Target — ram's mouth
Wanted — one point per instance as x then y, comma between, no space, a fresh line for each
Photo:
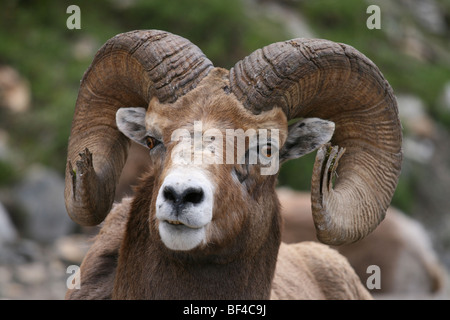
174,222
180,224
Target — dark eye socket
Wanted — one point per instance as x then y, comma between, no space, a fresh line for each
151,142
266,150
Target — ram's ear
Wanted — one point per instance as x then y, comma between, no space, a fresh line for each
131,122
306,136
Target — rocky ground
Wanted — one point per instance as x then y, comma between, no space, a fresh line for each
42,242
35,271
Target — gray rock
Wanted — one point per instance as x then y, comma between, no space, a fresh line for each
8,232
72,248
414,116
41,196
428,14
15,91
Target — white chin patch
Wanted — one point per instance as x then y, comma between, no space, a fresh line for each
184,208
180,237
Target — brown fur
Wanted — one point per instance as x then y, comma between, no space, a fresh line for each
303,271
158,272
240,255
310,270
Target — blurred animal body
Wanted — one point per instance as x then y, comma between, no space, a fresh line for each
400,247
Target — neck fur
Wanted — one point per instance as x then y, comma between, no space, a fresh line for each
148,270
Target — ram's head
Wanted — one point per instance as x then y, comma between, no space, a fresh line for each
217,137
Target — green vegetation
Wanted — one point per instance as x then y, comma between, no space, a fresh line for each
8,173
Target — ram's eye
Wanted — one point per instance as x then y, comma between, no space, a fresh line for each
151,142
266,150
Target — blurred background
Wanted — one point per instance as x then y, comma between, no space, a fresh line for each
42,63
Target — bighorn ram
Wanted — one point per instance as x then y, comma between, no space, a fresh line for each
207,229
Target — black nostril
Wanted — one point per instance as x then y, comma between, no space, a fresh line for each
170,194
190,195
193,195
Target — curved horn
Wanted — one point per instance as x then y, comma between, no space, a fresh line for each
127,71
320,78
